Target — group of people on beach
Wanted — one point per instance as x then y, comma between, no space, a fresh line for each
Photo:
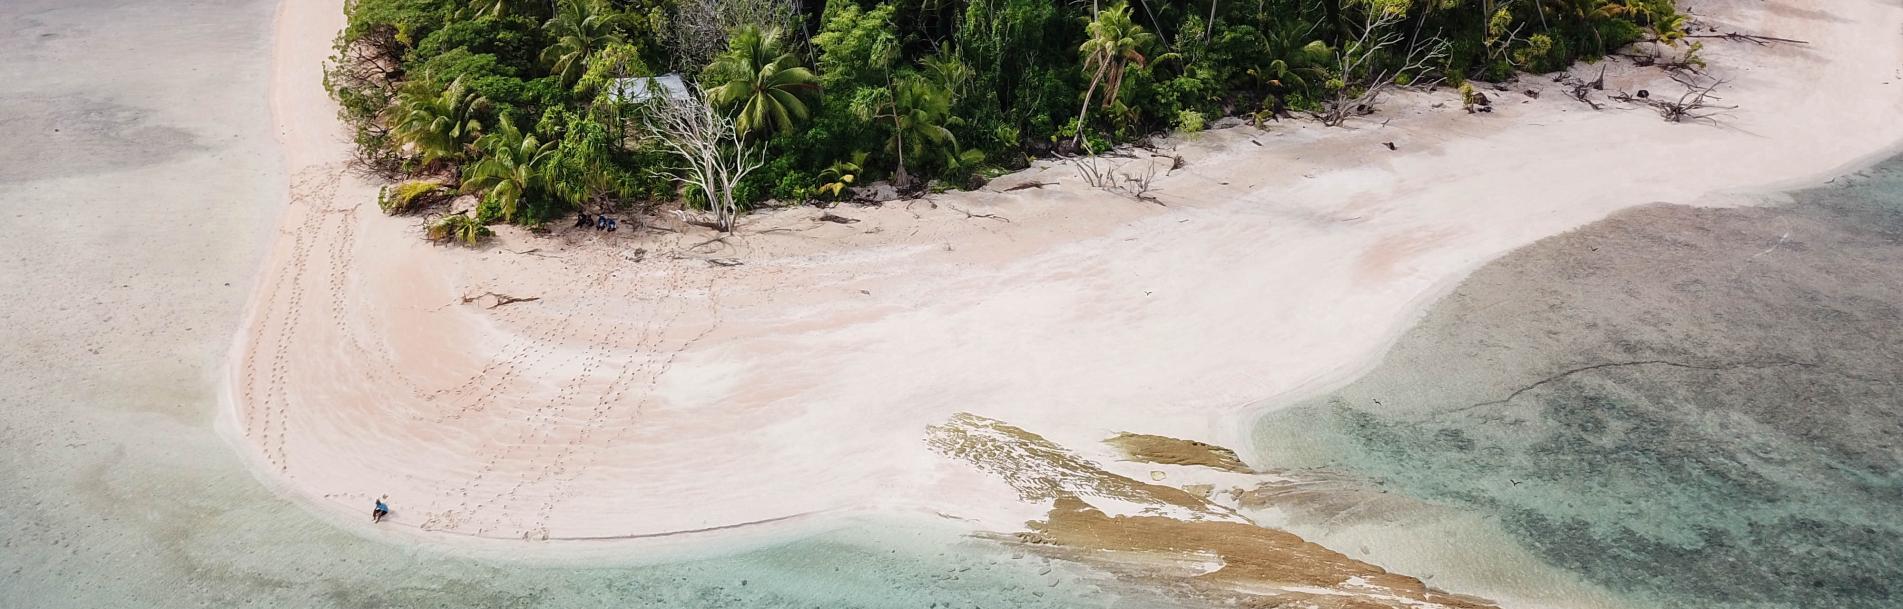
597,222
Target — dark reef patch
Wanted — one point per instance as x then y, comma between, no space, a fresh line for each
71,136
1693,407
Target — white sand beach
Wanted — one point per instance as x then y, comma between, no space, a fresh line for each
650,396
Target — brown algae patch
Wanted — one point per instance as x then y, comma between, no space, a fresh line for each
1168,539
1253,566
1173,451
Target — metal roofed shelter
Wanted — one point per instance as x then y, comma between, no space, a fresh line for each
645,88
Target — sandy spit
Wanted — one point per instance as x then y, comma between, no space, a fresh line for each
649,393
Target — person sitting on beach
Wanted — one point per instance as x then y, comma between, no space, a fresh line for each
601,222
583,220
611,224
377,513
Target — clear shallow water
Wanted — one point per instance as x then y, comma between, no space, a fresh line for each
1688,408
140,187
138,191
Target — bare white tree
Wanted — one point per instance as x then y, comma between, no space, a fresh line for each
1364,70
698,29
712,156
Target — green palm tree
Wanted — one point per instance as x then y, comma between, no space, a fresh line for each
919,109
1595,13
435,123
763,82
456,228
842,174
493,8
1292,60
1113,42
947,70
580,27
515,166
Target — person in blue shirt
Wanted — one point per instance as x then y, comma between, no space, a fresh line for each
377,513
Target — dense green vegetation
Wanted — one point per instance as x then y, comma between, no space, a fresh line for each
523,101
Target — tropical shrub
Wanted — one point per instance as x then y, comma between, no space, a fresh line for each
841,175
579,29
514,174
456,228
836,93
764,85
409,195
1189,121
513,40
434,123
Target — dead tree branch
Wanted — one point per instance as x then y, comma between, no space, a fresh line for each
1756,39
1581,89
697,30
1138,186
500,299
1027,185
1686,59
1694,105
1361,68
720,239
969,215
534,251
1113,179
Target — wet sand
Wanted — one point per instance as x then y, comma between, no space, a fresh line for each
1689,407
137,190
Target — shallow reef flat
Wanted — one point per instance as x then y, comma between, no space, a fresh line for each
1690,407
1184,542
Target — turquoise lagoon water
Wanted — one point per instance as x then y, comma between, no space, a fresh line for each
139,189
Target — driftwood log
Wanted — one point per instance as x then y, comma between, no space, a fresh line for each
969,215
500,299
1027,185
1756,39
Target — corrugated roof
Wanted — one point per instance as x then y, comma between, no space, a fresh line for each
643,88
